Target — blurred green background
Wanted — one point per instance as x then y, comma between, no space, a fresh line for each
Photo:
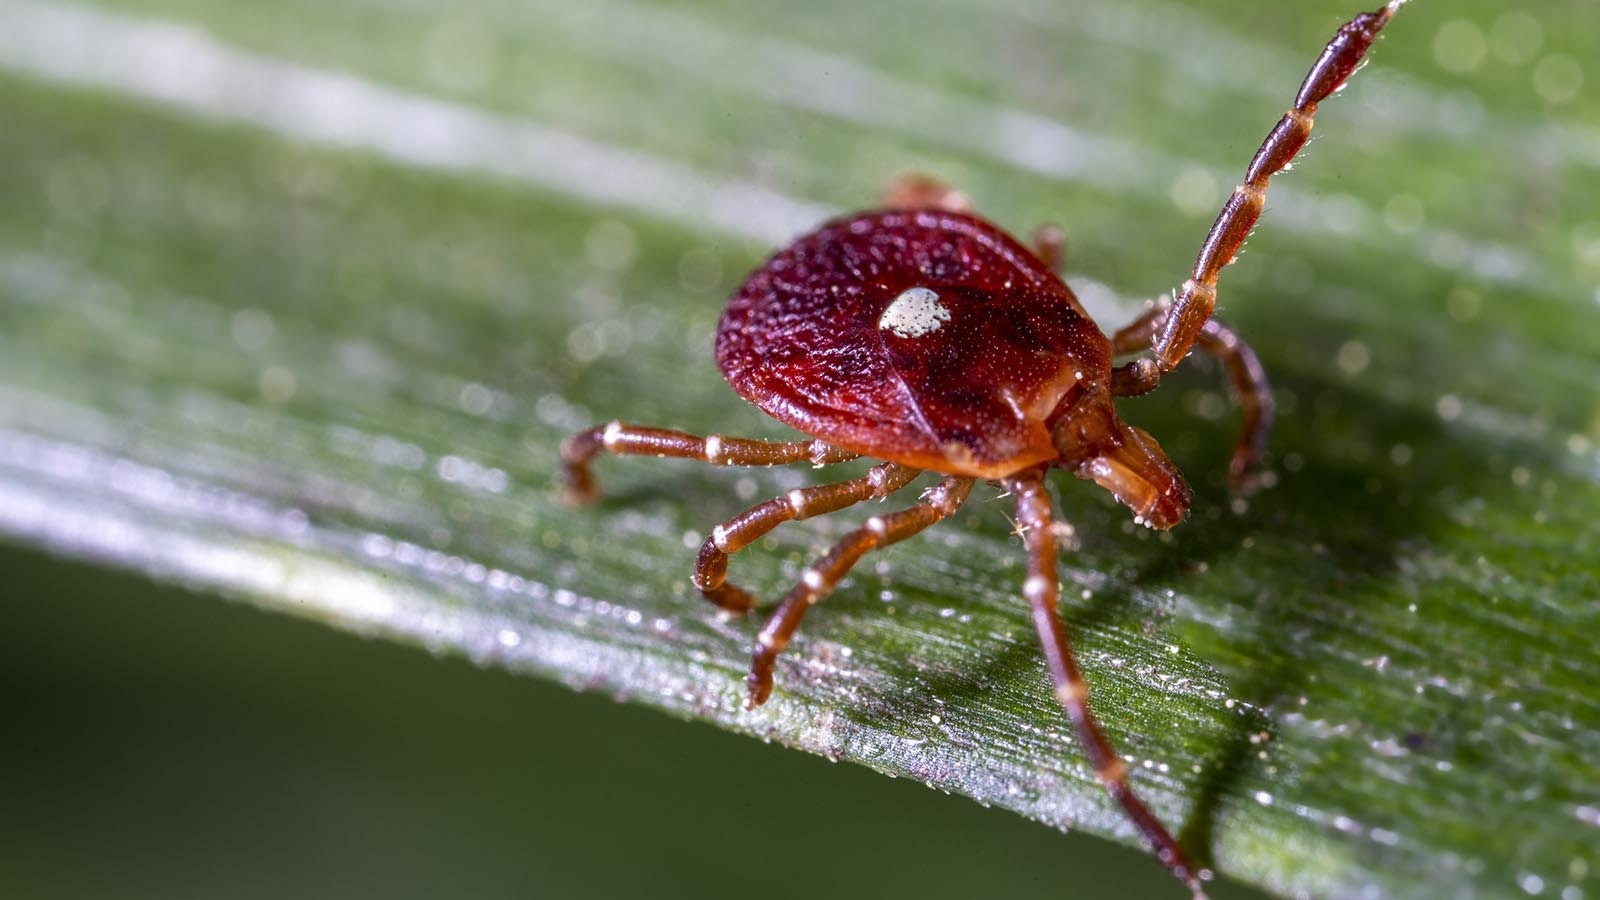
297,299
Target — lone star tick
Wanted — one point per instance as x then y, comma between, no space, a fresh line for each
924,336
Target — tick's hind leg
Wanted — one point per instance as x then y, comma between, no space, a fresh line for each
1043,592
619,437
822,576
1246,378
711,567
914,190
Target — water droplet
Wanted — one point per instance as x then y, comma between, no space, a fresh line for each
1516,37
1353,357
475,399
1195,192
277,385
252,329
611,245
1557,78
1459,46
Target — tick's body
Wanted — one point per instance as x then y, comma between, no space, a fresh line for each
947,346
924,336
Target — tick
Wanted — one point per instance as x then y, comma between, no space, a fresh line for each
923,336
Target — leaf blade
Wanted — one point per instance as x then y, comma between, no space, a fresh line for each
174,374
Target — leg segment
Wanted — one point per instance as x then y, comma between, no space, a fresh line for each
711,567
1043,592
914,190
1198,297
618,437
819,580
1050,245
1246,377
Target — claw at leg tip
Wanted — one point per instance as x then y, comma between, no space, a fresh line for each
578,493
756,694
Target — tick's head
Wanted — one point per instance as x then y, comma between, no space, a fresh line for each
1097,445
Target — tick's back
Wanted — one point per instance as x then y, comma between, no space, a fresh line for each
929,338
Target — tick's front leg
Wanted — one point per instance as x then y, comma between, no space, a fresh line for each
1181,327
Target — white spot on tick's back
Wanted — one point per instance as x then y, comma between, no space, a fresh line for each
916,312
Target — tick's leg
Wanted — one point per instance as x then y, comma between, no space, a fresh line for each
1043,592
1246,378
1050,245
619,437
914,190
1198,297
821,577
711,568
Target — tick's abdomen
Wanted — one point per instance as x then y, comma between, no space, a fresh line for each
922,337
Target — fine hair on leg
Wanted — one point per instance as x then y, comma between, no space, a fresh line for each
1178,331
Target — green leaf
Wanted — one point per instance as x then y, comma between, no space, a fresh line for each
299,299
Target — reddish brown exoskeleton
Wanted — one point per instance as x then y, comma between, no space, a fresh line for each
924,336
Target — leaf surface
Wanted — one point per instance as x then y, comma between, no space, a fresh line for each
299,301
